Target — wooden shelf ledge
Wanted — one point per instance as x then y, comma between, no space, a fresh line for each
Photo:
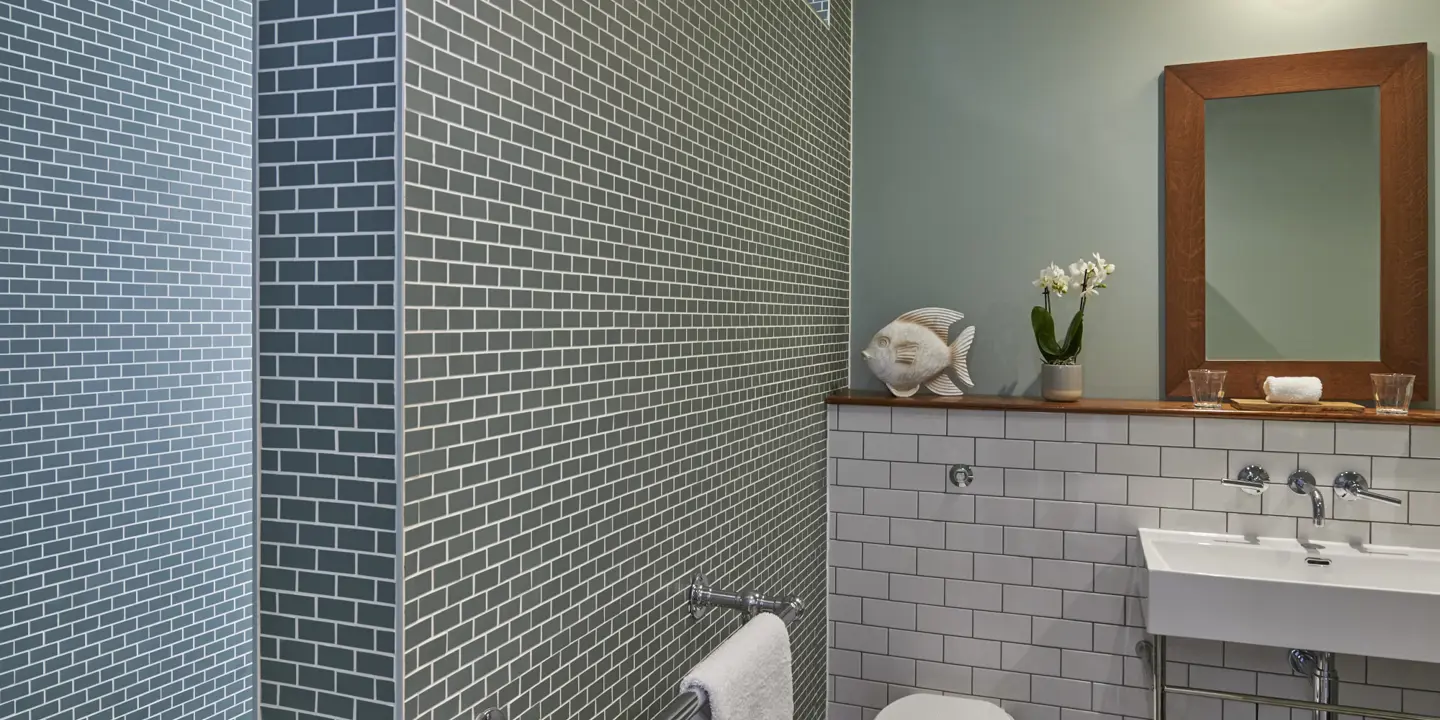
1116,407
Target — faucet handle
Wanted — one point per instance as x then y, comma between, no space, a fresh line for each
1351,484
1251,479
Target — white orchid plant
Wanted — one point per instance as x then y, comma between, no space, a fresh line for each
1086,276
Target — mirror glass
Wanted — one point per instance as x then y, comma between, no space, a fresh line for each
1292,226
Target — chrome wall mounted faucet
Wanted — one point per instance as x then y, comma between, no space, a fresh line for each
1301,482
1350,485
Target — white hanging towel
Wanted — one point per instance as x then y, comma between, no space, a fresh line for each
748,676
1293,389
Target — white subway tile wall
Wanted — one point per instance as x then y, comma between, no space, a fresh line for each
1026,587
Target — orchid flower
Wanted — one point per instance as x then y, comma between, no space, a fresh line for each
1053,279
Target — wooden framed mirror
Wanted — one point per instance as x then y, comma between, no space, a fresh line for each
1323,271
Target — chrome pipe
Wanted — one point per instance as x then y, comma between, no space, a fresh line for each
1324,678
1327,685
1300,704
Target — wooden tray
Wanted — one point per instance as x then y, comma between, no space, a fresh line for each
1320,407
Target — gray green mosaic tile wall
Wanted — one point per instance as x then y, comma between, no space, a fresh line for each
126,523
626,272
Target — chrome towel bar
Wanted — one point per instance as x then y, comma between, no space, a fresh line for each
700,597
686,705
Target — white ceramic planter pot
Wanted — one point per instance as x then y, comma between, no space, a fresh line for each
1062,383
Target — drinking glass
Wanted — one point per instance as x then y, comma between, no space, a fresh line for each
1207,388
1392,392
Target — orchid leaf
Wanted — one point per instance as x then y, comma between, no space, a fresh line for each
1071,350
1044,326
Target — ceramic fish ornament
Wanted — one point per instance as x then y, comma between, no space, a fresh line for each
911,351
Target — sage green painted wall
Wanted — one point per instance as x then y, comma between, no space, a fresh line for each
1292,226
994,136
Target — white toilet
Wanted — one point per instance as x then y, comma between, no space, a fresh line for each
939,707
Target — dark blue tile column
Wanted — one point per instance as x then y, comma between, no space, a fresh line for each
327,332
126,504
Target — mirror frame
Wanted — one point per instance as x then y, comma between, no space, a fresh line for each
1402,74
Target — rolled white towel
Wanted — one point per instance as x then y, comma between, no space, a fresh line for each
1293,390
748,676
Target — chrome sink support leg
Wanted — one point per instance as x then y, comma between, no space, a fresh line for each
1325,678
1316,665
1157,673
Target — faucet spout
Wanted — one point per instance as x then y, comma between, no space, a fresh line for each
1301,482
1317,507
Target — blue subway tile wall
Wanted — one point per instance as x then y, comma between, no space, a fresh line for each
126,504
327,324
626,269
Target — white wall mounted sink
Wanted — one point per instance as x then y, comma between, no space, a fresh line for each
1371,600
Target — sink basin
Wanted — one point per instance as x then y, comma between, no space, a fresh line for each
1371,600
